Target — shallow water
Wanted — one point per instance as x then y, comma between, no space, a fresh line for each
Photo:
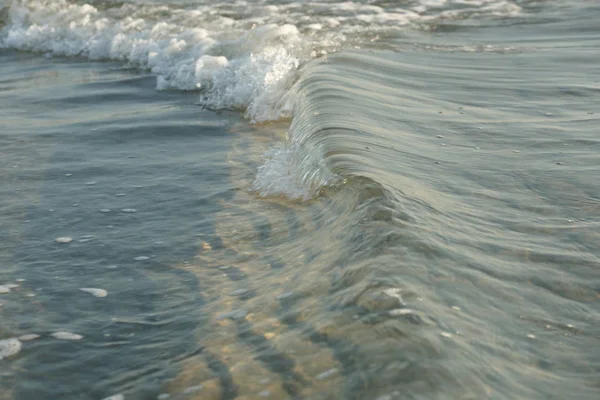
377,200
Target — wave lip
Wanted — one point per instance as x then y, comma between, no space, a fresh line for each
345,125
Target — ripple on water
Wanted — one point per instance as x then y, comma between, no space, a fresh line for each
239,292
192,389
327,374
85,238
235,314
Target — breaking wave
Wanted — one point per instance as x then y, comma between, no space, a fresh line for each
243,55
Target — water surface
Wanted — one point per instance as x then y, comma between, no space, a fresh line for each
359,200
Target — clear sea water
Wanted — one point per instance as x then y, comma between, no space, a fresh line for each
299,200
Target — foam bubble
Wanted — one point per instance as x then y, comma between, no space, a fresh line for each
9,347
399,312
4,289
115,397
96,292
66,336
28,337
273,176
292,171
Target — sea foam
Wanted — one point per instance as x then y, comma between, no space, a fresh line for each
233,67
239,55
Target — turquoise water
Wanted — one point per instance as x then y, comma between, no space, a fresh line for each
377,200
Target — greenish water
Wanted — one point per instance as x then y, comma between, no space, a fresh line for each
384,200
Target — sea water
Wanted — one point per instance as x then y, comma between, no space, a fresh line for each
303,200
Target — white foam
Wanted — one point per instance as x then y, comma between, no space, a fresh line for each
66,336
6,288
9,347
28,337
96,292
241,55
291,171
248,71
115,397
274,176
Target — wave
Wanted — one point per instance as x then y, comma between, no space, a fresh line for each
348,122
240,55
258,57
